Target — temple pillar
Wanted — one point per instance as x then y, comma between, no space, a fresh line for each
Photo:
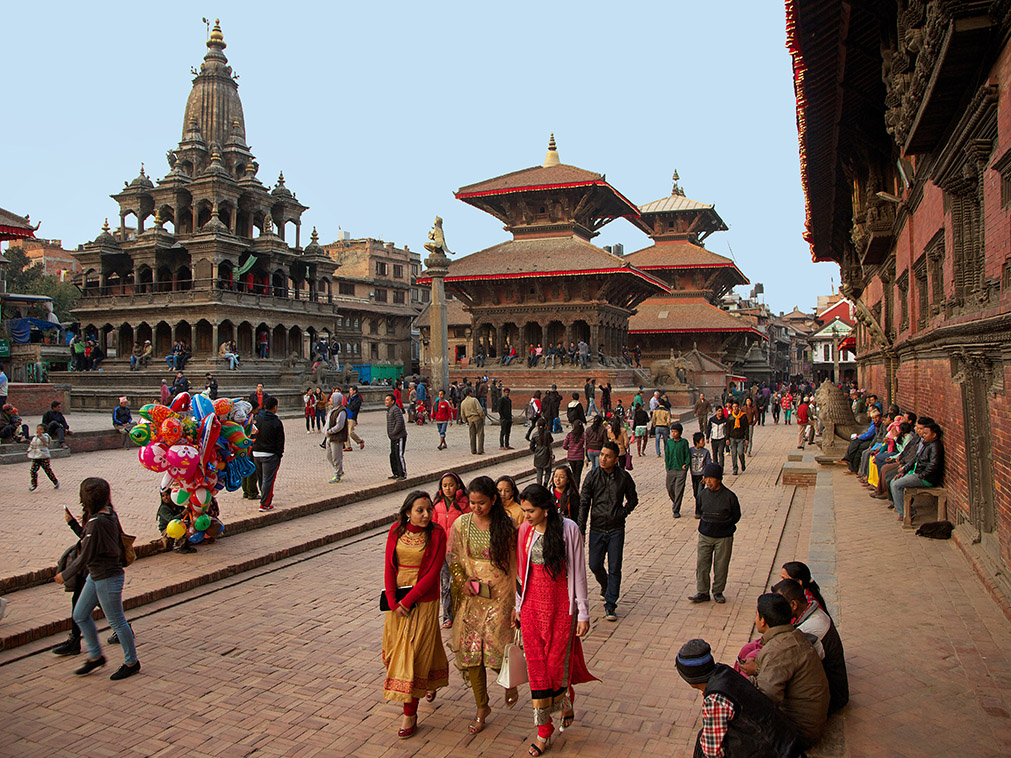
594,339
500,339
298,235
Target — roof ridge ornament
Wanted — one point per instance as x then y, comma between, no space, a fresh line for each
217,39
676,190
551,158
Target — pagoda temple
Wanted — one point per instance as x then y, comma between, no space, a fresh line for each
208,257
687,316
549,283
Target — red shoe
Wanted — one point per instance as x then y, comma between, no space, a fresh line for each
361,445
409,731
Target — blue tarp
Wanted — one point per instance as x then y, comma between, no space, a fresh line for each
21,328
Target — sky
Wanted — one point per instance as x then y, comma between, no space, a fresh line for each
378,112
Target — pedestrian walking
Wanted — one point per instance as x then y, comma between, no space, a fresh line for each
442,413
354,404
716,433
574,411
804,422
450,503
606,499
533,413
38,454
720,511
472,412
702,410
565,490
396,430
661,427
616,433
590,389
505,419
540,446
309,401
482,569
574,445
786,403
751,411
551,612
335,434
413,653
268,449
102,557
510,495
319,409
676,460
700,458
596,436
737,435
640,424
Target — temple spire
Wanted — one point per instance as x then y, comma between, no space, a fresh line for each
217,39
552,159
676,190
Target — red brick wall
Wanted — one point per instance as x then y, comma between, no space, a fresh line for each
36,399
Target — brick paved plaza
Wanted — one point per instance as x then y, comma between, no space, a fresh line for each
283,658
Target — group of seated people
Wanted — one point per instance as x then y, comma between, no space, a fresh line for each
776,698
229,352
180,353
87,354
896,451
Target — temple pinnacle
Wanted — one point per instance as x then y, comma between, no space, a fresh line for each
552,159
217,39
676,189
314,237
105,226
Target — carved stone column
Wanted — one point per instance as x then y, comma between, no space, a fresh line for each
438,267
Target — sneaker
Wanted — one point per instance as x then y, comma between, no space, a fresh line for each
718,597
335,478
125,671
677,514
610,616
266,508
70,647
700,597
401,478
113,639
32,487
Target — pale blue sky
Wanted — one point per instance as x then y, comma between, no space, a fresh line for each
377,112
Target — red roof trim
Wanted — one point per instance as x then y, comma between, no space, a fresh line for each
692,331
536,187
799,72
16,232
537,274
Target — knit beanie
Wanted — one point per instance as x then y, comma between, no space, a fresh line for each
714,470
695,662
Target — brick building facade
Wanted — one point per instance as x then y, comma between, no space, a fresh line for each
905,140
50,253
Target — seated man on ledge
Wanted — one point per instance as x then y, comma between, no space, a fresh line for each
122,421
737,719
927,469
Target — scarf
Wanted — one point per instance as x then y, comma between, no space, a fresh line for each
737,418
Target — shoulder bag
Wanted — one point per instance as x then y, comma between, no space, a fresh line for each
514,665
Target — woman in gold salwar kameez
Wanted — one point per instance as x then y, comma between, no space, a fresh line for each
482,567
510,493
413,652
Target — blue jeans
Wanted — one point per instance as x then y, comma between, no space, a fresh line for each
662,433
899,484
170,361
591,408
583,360
594,456
109,594
612,545
508,359
442,428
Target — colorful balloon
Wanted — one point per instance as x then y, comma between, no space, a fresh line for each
202,523
142,434
183,461
171,430
153,457
180,402
222,407
201,407
175,529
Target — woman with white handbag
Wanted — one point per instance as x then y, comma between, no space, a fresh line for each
551,610
482,570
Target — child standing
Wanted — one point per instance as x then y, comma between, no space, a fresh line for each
676,461
38,452
700,458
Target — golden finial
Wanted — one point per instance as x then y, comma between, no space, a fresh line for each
105,226
217,39
142,170
314,237
676,189
280,178
552,159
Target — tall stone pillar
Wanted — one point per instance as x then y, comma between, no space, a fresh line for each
438,267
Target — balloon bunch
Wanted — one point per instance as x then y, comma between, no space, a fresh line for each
200,446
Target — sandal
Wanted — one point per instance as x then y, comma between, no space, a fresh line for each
409,731
477,725
568,718
447,624
430,696
539,747
512,695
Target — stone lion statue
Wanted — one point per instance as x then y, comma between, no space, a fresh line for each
292,361
670,370
835,416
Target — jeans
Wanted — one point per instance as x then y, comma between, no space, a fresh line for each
504,429
751,439
508,359
441,426
676,488
233,360
109,594
612,545
266,475
594,456
583,360
479,361
713,552
170,361
263,349
543,475
737,448
591,408
661,433
719,448
898,486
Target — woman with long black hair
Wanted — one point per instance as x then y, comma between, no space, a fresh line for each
413,654
801,574
551,610
102,557
482,569
510,494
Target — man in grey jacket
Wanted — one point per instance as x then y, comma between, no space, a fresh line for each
396,430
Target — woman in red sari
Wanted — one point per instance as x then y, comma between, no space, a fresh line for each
413,653
551,610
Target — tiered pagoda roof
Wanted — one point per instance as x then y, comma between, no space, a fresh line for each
15,227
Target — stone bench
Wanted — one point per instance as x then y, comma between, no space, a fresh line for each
799,473
909,493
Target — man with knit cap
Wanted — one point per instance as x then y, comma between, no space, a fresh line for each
719,511
737,719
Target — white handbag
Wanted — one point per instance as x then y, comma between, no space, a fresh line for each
514,665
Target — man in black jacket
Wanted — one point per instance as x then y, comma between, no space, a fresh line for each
181,384
56,423
927,469
505,419
720,511
737,718
268,448
549,409
396,430
607,497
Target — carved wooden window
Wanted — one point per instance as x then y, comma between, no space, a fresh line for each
888,324
922,293
903,285
967,239
935,267
346,288
876,312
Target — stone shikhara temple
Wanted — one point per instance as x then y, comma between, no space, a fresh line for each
215,254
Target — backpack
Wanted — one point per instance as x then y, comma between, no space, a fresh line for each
531,412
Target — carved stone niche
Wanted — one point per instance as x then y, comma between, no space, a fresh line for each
968,365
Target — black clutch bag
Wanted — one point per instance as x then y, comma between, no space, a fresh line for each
384,604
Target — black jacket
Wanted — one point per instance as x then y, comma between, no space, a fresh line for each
735,432
550,404
395,427
269,434
101,550
606,499
50,416
758,728
929,463
721,510
575,412
505,410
